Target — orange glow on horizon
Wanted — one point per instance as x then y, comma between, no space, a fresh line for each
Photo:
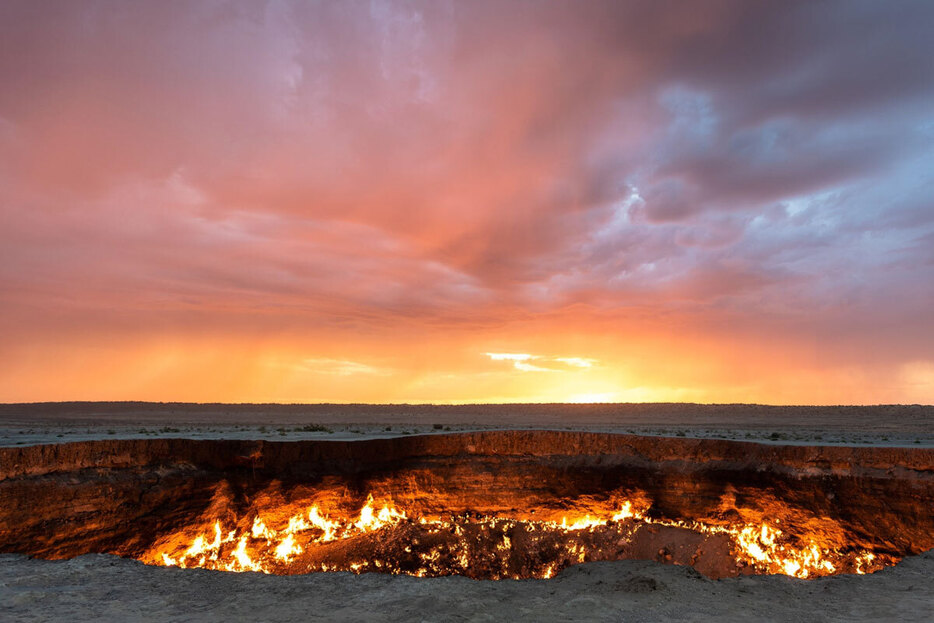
452,367
506,202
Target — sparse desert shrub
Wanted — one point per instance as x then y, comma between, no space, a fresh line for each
314,428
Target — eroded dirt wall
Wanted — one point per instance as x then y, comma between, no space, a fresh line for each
119,495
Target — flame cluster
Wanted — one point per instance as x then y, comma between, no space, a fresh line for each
253,550
380,537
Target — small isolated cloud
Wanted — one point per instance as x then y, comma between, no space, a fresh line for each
509,356
520,361
528,367
341,367
577,362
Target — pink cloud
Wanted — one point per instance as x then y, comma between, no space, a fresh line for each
401,165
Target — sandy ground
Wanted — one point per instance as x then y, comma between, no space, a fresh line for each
107,588
894,425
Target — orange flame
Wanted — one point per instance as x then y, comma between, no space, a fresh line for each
296,544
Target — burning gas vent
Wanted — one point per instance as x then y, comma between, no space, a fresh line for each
485,505
286,538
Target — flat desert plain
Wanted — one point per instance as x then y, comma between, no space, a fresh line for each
102,587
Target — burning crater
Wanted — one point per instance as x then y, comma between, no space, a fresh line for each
504,504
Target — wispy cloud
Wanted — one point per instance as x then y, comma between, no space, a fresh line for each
342,367
520,361
577,362
509,356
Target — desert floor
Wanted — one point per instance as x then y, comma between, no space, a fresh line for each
108,588
890,425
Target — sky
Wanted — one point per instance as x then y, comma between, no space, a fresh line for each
710,201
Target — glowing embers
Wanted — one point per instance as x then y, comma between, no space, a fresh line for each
537,543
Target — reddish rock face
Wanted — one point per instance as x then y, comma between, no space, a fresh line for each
489,505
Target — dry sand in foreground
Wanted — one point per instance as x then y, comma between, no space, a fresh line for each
107,588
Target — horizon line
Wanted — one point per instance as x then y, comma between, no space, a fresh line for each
449,404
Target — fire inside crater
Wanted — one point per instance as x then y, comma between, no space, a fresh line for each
288,538
492,505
